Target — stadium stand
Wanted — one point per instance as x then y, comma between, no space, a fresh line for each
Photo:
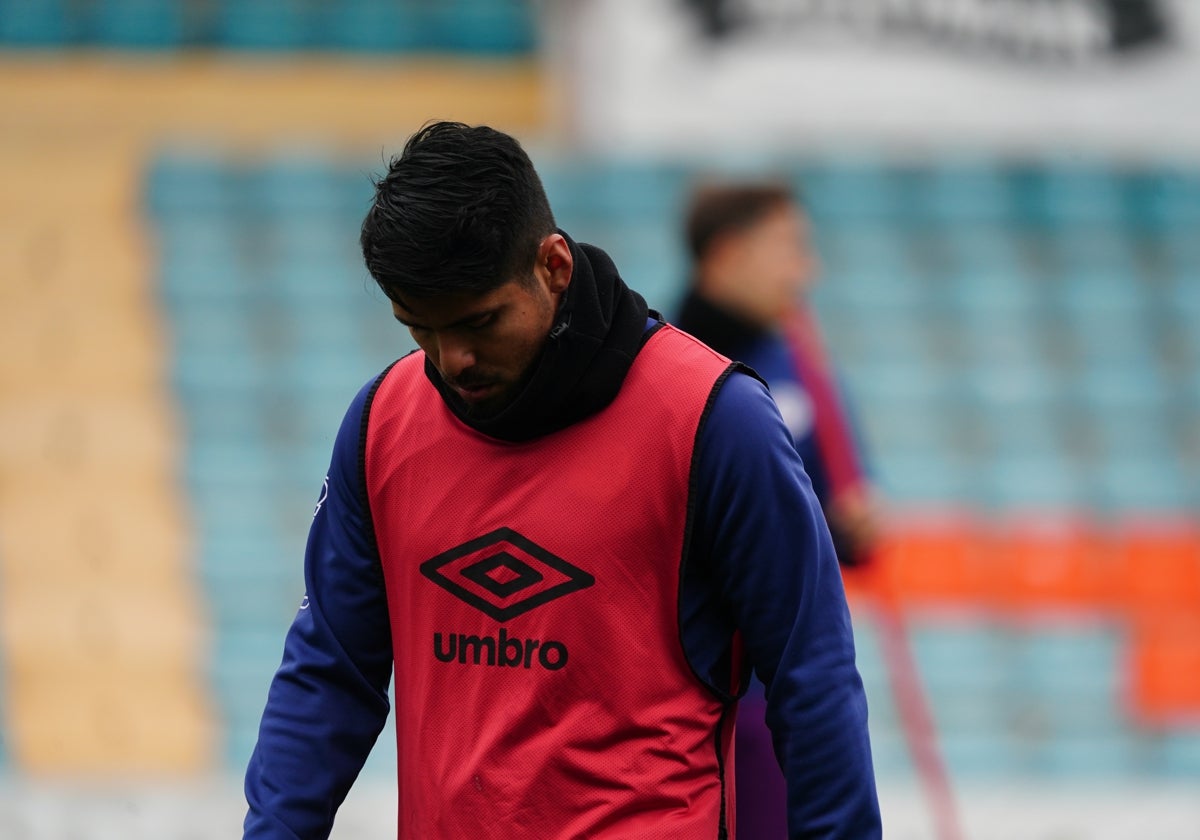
1021,339
1027,607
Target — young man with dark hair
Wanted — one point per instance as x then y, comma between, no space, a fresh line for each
569,529
752,265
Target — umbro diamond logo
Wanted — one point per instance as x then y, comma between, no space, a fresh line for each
504,574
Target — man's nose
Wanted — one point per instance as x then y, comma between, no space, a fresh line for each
454,355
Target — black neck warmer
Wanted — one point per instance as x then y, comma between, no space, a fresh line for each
719,328
597,331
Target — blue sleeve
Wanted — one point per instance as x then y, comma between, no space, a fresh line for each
328,700
762,545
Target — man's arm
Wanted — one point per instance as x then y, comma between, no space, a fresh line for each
760,534
328,700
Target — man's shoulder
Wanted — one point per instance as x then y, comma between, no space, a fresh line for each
674,362
682,347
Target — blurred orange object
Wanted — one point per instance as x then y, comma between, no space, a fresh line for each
1158,564
929,560
1145,570
1164,669
1060,563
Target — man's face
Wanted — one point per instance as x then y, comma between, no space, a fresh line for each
777,263
485,346
761,271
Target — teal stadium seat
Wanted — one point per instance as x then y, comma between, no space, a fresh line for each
1182,297
1121,389
1075,658
1148,483
230,463
1000,345
320,275
267,24
138,24
853,189
38,24
1022,428
867,266
1179,753
895,382
1113,343
300,184
1102,255
1101,756
263,601
372,26
1066,699
191,186
208,419
963,191
481,26
1081,191
206,324
197,266
217,375
984,250
243,662
916,478
1031,482
1166,198
988,292
614,192
963,673
889,750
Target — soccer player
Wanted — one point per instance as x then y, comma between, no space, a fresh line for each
752,266
569,530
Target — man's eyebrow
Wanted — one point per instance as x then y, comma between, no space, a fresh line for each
466,319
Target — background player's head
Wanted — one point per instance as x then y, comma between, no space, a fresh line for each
750,249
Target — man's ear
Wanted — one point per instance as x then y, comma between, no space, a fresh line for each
555,264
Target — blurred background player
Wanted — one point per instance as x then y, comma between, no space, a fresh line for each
752,266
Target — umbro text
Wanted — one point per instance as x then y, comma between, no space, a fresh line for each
504,651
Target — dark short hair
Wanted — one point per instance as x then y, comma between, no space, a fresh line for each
460,210
716,209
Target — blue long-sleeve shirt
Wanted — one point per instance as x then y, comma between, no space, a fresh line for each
761,561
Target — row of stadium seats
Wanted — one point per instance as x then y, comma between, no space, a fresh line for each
1070,192
384,26
990,369
1073,201
1021,700
980,372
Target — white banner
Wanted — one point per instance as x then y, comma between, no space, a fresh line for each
750,77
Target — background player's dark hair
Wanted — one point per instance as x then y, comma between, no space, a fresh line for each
716,209
460,210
